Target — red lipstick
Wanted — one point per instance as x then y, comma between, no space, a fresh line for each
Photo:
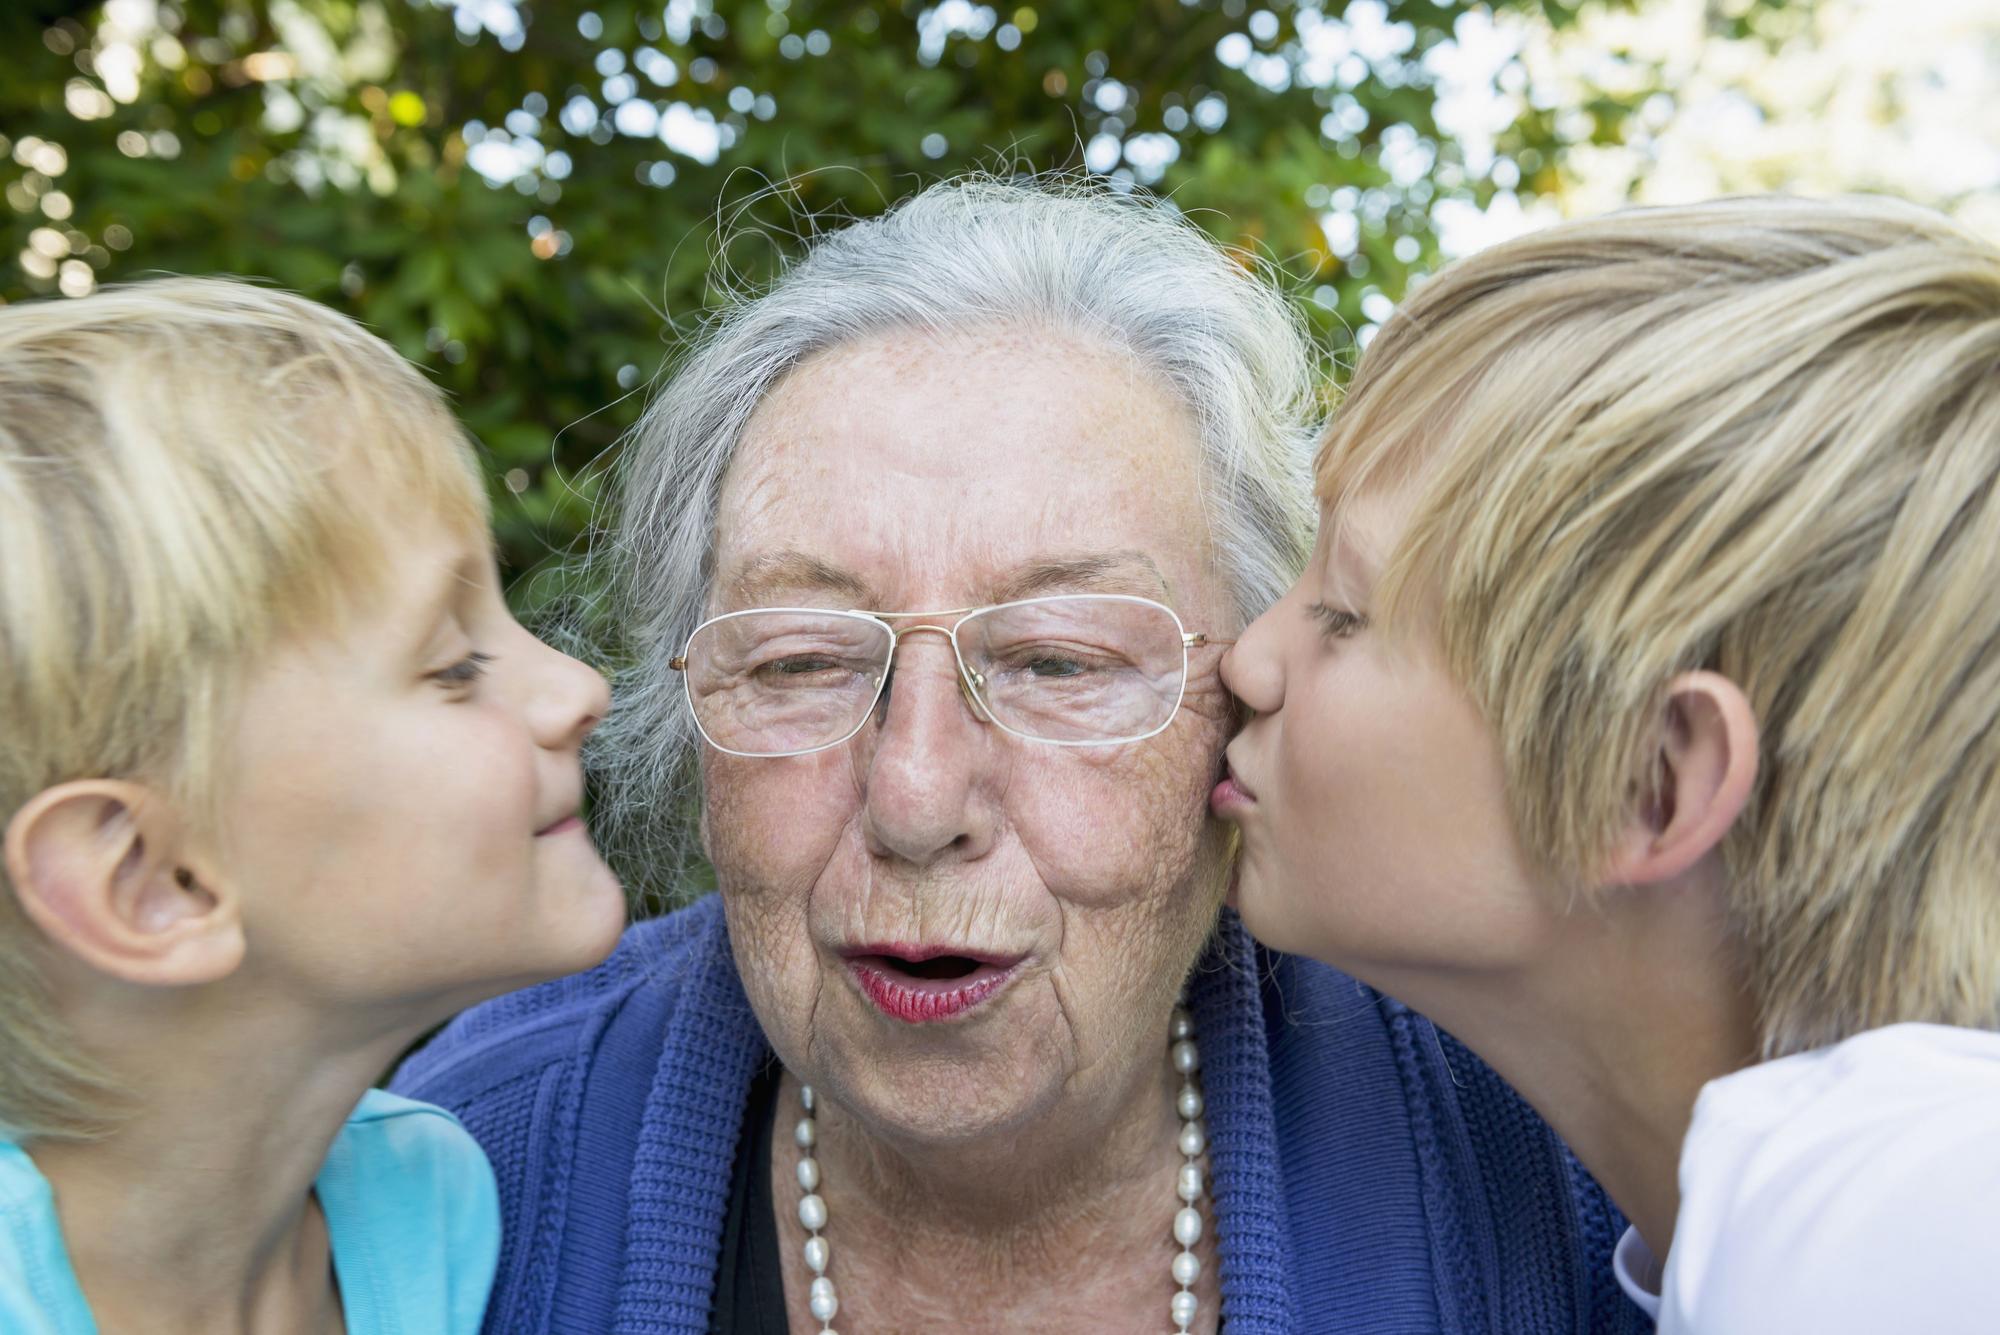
926,984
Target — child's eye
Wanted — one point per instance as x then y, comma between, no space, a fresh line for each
1336,623
464,672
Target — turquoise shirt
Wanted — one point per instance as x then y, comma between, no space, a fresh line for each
411,1209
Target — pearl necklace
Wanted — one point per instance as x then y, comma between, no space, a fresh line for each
825,1302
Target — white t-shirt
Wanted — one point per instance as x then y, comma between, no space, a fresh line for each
1854,1190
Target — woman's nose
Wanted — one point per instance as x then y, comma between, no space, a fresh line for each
1253,669
928,789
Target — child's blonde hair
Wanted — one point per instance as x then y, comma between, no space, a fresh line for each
1760,436
191,470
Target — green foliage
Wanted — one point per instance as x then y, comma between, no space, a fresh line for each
336,147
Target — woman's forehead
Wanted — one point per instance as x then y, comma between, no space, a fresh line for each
981,472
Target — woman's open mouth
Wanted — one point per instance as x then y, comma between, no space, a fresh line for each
920,985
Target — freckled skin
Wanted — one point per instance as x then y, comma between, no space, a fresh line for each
932,468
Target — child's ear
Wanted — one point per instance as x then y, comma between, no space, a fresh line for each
1701,772
97,865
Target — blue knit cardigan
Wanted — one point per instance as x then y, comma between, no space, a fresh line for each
1367,1173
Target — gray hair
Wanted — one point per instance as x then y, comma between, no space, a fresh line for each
1061,253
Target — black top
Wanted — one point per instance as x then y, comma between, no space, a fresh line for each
749,1286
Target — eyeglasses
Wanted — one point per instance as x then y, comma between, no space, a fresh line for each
1072,670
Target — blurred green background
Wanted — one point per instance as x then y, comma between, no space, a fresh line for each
525,197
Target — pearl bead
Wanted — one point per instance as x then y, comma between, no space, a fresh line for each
1187,1226
806,1097
1187,1268
823,1301
1183,1308
808,1174
812,1213
817,1255
1194,1139
1190,1105
1182,1026
1187,1057
1189,1187
808,1135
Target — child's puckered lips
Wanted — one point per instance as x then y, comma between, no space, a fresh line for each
1231,793
570,819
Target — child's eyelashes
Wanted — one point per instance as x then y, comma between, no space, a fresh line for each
1336,623
464,672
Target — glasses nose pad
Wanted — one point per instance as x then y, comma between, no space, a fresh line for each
970,684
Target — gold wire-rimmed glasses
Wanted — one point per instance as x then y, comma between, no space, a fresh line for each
1094,669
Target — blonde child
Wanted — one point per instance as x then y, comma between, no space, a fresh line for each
1638,719
283,786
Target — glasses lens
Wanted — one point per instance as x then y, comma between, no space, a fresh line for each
769,683
1091,668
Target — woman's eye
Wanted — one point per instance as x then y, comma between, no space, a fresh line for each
1044,662
464,672
804,671
799,665
1048,665
1337,623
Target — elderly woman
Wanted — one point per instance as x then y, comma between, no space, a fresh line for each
926,555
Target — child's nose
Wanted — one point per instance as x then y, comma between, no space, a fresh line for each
572,699
1253,669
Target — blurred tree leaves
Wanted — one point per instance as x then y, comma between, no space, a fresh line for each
525,196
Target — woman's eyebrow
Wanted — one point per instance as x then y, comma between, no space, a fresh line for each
771,572
1122,571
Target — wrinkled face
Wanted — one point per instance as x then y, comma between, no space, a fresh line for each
401,815
947,927
1369,790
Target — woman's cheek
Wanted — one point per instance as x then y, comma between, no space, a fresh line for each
774,822
771,834
1109,835
1083,836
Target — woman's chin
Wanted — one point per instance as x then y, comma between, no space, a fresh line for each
941,1084
925,1105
